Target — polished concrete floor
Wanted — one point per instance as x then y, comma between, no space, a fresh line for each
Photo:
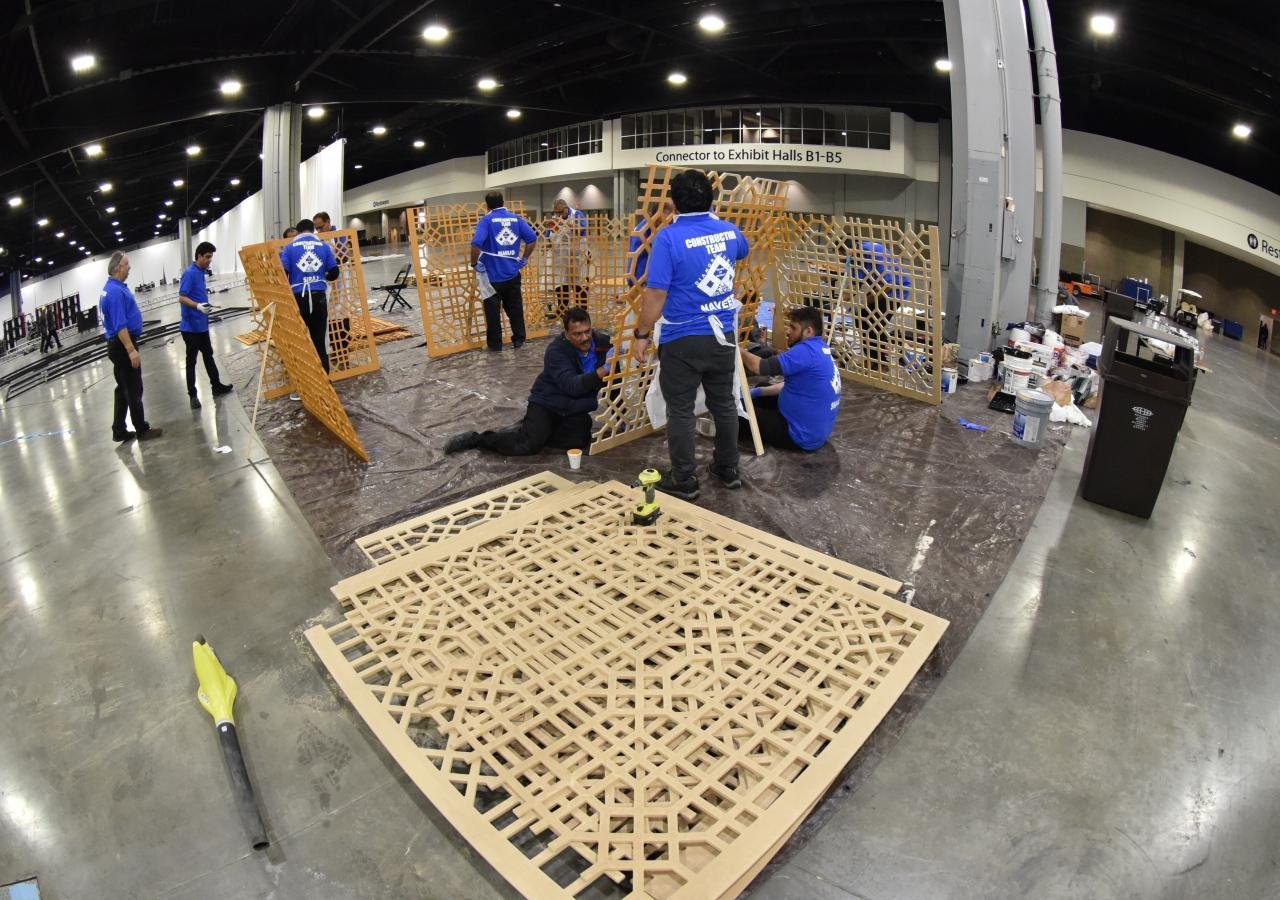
1108,731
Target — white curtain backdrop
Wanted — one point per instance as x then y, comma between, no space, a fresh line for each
237,228
320,180
146,264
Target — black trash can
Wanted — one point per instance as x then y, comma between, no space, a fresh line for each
1142,399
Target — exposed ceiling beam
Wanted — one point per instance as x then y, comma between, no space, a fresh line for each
398,22
341,41
255,127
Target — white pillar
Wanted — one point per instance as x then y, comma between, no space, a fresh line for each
1051,136
281,157
1179,270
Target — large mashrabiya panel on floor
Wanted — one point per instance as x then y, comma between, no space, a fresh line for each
587,699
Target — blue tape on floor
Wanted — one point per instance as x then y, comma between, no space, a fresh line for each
25,891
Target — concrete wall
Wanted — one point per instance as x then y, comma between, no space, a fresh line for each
1119,247
452,181
1232,289
150,262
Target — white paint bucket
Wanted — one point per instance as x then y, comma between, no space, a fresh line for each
1017,335
1031,418
950,379
1017,373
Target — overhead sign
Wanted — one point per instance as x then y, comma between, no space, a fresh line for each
772,156
1263,246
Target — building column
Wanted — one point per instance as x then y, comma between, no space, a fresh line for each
993,182
1179,270
281,157
15,294
184,240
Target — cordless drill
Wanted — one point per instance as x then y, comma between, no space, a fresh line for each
647,513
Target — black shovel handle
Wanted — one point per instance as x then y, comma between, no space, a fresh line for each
241,787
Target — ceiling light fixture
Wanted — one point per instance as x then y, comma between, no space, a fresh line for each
943,65
93,150
72,242
177,182
82,63
110,210
235,181
486,84
193,150
105,187
119,232
435,32
379,129
359,166
114,224
168,203
711,22
39,259
61,234
677,78
1242,131
43,222
231,87
202,211
216,199
49,263
1104,25
419,144
315,112
15,201
513,114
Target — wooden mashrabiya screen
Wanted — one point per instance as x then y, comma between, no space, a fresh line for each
878,286
580,262
352,348
587,699
452,315
757,207
292,350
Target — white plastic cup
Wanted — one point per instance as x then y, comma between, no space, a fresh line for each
575,459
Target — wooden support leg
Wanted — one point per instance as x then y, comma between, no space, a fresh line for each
751,408
262,374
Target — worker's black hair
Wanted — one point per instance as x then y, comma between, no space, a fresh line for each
807,317
306,226
493,200
691,192
289,229
575,314
205,247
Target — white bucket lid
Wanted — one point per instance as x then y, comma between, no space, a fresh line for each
1033,396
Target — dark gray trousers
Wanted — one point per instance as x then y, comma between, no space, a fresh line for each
688,362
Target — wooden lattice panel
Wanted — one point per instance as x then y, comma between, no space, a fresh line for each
878,287
390,544
580,262
448,296
757,207
352,349
294,352
586,699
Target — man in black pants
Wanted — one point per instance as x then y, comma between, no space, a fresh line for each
495,255
122,321
310,264
563,396
800,413
49,323
194,298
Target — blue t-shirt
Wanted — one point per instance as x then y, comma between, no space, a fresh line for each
692,260
810,395
638,237
192,287
119,309
498,235
306,258
887,266
588,361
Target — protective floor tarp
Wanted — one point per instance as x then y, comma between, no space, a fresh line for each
900,488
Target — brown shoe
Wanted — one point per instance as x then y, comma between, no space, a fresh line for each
150,434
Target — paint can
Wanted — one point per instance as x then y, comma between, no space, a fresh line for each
950,379
1031,418
1017,373
1018,335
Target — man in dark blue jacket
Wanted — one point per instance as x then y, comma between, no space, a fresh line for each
563,396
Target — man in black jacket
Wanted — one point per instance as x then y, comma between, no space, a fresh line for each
563,396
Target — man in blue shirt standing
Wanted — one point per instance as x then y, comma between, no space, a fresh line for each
194,297
495,250
122,321
800,413
690,286
310,264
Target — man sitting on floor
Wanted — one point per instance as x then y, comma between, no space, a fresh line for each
563,396
800,413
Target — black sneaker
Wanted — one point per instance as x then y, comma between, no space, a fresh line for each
728,474
195,403
121,438
223,389
467,440
683,490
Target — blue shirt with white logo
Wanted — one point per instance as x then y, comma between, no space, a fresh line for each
306,258
119,309
692,260
810,395
192,287
498,235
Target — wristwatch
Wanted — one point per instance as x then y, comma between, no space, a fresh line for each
641,337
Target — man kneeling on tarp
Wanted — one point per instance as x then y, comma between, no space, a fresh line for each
563,396
800,413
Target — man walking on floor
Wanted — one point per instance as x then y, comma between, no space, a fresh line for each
800,413
194,326
49,328
690,286
122,321
310,264
495,251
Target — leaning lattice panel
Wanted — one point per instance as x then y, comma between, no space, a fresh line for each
585,699
390,544
452,314
878,286
292,343
580,262
352,349
757,206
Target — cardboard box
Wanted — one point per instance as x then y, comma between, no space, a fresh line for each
1072,330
